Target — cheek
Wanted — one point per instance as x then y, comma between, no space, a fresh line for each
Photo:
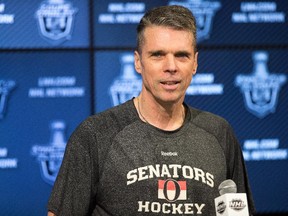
148,74
188,81
147,79
189,77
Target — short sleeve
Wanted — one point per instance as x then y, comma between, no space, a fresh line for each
73,192
237,169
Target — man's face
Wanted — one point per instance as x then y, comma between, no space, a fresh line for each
167,63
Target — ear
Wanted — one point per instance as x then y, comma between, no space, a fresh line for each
137,62
195,65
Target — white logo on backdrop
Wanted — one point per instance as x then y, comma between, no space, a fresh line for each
260,89
55,20
128,84
50,156
6,86
204,12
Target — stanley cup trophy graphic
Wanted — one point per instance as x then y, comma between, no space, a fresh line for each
55,20
50,156
5,88
128,84
260,89
204,11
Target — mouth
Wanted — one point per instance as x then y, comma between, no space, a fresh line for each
170,83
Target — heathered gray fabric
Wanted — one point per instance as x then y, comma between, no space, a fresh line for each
114,164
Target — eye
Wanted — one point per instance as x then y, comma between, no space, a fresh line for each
157,54
182,55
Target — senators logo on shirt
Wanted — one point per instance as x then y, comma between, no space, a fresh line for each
172,190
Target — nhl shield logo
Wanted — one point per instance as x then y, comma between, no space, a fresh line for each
204,11
55,20
50,156
260,89
6,86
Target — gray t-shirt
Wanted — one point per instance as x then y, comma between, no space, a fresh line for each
115,164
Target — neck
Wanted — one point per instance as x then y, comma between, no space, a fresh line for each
165,119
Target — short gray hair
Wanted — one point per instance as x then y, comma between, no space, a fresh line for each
172,16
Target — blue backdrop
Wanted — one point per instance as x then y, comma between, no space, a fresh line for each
61,61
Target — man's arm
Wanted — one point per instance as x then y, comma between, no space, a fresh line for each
73,191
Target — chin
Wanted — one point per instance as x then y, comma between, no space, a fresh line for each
171,99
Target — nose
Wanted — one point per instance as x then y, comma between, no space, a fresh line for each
170,64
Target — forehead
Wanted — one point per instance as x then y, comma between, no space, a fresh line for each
166,37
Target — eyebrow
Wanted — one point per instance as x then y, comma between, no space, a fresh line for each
176,53
156,52
183,53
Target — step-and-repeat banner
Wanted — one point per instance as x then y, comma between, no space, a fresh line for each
63,60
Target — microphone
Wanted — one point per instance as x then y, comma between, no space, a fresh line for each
230,203
227,186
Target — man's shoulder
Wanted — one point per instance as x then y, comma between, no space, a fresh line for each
119,115
208,121
200,115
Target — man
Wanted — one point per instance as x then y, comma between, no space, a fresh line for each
152,155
